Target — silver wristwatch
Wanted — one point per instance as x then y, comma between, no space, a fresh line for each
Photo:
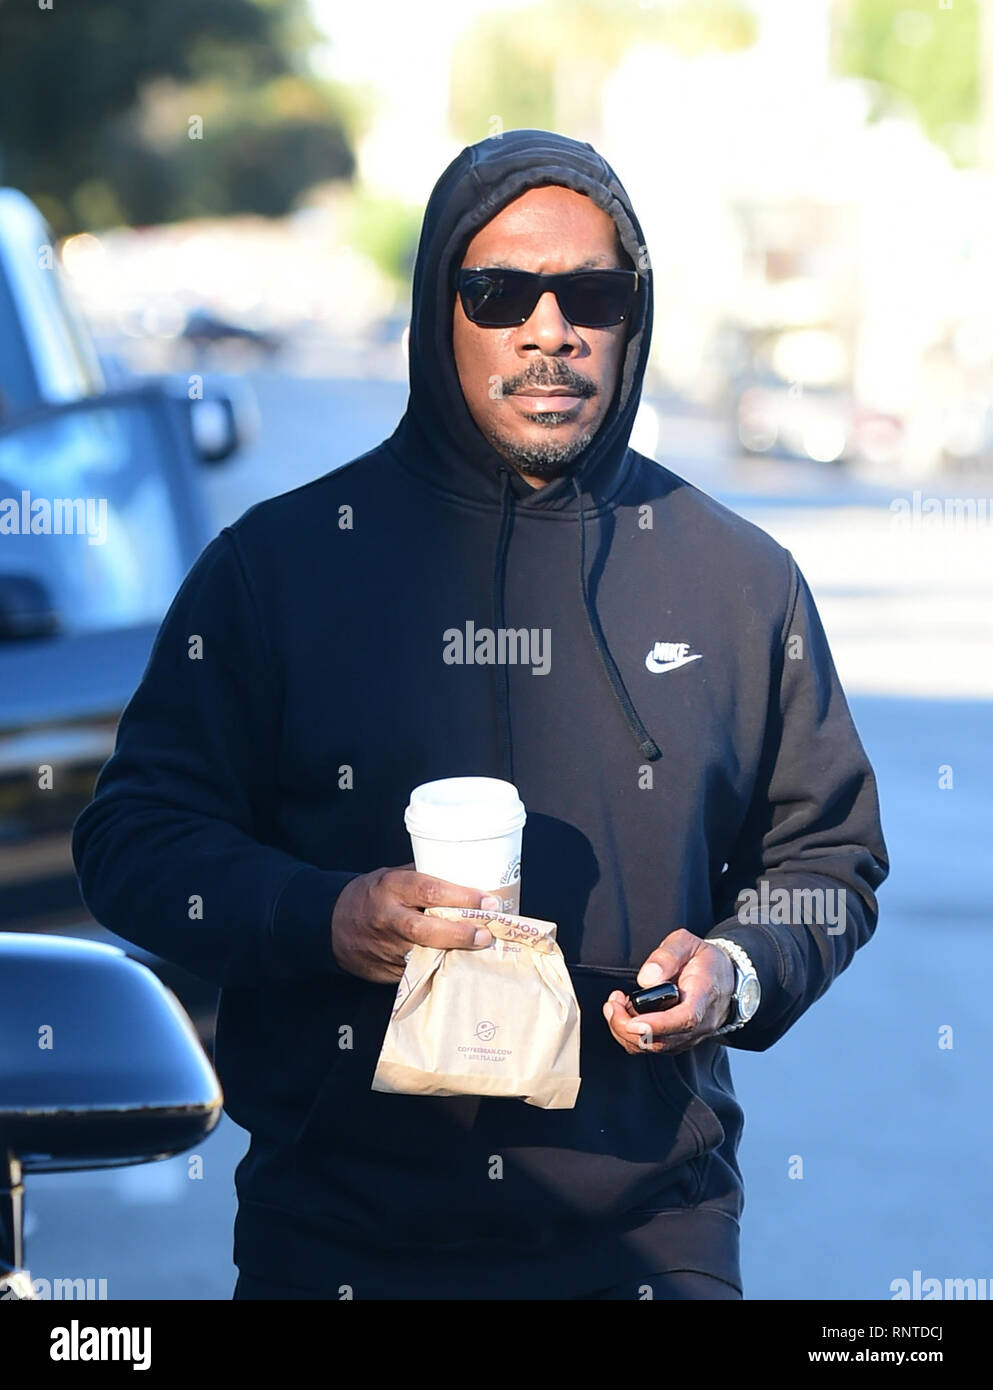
747,990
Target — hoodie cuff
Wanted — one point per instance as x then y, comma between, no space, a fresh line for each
301,924
765,952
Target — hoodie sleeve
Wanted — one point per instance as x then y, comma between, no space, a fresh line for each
168,852
813,825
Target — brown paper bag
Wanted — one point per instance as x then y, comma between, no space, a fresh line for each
503,1021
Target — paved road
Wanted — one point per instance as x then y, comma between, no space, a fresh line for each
892,1130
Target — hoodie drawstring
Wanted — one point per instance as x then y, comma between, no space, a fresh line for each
502,674
646,744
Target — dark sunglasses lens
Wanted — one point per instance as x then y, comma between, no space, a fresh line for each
597,300
498,300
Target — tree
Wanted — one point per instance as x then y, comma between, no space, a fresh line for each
543,66
921,57
80,86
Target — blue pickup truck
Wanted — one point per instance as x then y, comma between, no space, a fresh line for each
102,513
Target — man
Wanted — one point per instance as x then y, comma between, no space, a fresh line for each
676,729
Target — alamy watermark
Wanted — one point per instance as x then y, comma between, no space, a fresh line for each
84,1343
55,516
788,907
57,1289
920,513
919,1287
502,646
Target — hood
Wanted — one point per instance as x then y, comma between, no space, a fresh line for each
482,180
437,438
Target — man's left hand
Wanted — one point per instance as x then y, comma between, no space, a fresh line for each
705,978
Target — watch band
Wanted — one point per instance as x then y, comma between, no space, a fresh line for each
742,967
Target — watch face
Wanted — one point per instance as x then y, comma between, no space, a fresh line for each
748,1000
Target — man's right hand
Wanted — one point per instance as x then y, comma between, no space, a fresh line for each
376,921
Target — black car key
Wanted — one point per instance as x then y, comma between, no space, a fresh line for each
656,999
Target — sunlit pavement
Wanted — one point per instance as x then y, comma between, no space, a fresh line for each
151,1231
865,1141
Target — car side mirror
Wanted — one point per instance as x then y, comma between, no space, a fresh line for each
224,422
99,1067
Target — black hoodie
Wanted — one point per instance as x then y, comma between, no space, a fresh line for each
682,739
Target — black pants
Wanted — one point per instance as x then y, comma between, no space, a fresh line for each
678,1284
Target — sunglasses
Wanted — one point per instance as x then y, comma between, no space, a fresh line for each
497,298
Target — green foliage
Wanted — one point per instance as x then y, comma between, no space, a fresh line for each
263,167
539,65
921,56
496,73
387,231
84,131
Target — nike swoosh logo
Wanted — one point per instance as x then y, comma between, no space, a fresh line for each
657,666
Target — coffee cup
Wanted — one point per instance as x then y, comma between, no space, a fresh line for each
468,830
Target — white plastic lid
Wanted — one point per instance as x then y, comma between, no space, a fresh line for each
464,808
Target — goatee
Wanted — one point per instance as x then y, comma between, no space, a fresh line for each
544,458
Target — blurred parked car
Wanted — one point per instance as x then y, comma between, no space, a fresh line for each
102,513
820,423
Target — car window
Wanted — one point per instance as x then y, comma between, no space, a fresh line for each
79,368
47,351
87,507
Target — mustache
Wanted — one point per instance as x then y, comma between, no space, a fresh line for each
570,381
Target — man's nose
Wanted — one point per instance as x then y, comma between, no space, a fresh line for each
548,328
